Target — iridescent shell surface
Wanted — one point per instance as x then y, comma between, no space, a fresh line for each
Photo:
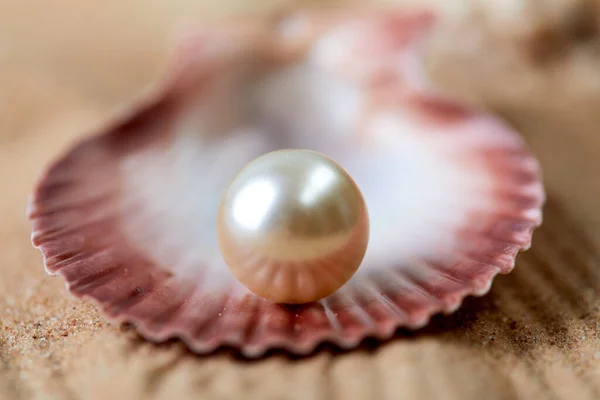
128,216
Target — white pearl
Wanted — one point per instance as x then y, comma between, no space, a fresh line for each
293,226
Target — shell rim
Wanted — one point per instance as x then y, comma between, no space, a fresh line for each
258,350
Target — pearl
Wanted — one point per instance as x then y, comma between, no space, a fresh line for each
293,226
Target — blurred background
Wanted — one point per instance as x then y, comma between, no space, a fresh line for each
65,66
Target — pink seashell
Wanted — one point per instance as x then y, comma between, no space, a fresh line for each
127,217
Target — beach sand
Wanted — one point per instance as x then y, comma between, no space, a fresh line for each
65,67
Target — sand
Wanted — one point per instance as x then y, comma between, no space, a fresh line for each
65,67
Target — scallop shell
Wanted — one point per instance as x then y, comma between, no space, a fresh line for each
127,216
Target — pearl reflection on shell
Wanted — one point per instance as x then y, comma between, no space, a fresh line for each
293,226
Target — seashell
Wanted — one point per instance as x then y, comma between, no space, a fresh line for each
128,216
